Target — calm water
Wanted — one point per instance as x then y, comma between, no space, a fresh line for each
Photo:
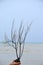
33,55
6,59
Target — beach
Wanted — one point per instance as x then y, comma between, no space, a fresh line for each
33,54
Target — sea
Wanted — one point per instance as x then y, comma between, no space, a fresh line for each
32,55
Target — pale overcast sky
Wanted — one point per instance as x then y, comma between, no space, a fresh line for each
26,10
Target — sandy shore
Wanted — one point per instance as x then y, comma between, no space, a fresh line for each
33,54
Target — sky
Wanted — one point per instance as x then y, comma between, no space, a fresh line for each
22,10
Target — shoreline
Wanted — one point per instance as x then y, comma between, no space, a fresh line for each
27,48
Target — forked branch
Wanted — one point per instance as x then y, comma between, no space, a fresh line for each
20,39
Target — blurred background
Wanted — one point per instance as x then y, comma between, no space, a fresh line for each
25,10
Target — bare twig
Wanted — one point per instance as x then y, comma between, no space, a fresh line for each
18,40
28,28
